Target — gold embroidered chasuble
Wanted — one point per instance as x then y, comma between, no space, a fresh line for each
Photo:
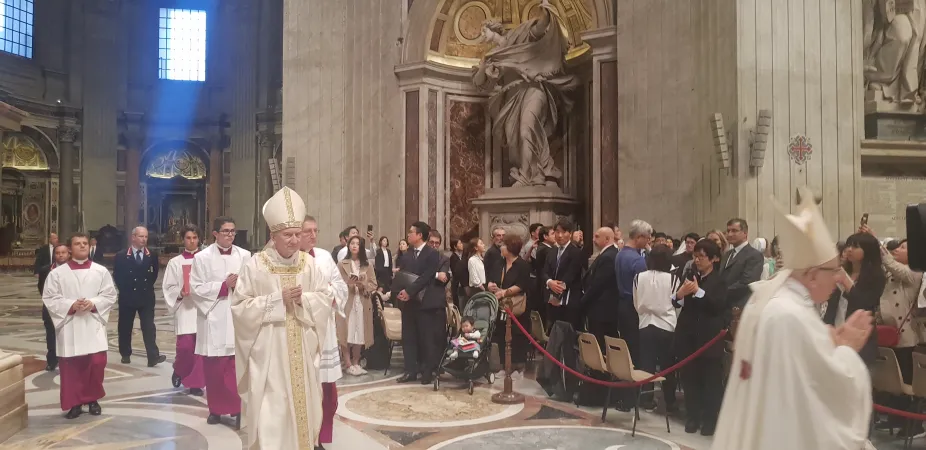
277,352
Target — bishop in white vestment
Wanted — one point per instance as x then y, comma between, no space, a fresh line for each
79,296
213,279
188,366
329,369
796,384
281,309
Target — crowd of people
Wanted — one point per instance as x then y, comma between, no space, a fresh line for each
666,298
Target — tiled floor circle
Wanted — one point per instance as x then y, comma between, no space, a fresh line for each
558,438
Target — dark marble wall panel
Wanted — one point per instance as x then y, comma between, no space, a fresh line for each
411,157
432,158
609,173
466,128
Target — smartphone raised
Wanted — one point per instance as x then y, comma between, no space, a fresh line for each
864,220
369,228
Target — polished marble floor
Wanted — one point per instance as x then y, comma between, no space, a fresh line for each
142,409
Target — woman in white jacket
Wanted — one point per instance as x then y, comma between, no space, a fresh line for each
652,297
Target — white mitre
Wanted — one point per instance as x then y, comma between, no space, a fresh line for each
284,210
803,238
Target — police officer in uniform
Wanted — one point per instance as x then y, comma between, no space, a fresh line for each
134,272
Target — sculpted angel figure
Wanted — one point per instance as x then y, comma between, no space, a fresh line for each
528,63
893,39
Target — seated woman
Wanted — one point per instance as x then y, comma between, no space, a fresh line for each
356,330
512,280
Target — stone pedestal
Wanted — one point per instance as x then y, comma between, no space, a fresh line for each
517,208
13,408
893,121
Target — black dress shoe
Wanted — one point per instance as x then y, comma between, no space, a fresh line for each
197,392
50,367
237,421
74,413
95,409
692,426
707,429
213,419
126,360
427,379
319,447
175,380
407,378
160,359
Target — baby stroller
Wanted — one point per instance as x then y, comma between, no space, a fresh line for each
483,308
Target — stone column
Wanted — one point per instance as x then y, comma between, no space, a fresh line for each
216,184
603,115
267,142
66,207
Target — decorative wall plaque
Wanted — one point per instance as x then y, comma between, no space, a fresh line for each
800,149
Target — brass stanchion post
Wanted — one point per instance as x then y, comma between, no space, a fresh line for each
508,396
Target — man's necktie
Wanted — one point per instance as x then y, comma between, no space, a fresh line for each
730,257
138,256
416,253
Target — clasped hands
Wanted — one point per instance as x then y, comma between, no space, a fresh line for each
499,292
292,297
81,305
854,332
557,286
231,280
688,287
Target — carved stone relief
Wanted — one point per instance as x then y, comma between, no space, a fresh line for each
512,223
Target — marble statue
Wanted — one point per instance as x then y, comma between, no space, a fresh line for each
528,65
893,37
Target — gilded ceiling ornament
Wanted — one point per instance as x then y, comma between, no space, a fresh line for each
21,152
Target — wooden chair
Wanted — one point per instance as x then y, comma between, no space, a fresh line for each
392,328
621,366
886,377
591,356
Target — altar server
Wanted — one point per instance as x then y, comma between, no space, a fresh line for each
796,383
281,310
188,366
329,370
79,296
213,279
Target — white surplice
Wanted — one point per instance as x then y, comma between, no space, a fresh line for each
184,311
790,386
82,333
278,353
329,369
215,333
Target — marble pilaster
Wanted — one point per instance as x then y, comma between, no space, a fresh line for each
603,126
134,133
266,144
66,207
215,187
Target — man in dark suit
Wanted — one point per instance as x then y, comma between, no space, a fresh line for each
493,260
458,270
599,303
95,254
562,276
62,255
45,254
134,273
424,317
740,265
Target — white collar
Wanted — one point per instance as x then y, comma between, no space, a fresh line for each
737,249
420,248
136,250
799,289
78,261
224,249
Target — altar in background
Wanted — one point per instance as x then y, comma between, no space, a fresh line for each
174,195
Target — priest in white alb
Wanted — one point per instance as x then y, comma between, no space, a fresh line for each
188,366
79,296
281,309
213,279
795,383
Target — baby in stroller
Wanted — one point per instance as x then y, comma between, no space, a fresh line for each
468,340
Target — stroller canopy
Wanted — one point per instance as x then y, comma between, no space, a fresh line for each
483,308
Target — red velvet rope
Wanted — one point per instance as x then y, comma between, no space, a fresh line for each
897,412
613,384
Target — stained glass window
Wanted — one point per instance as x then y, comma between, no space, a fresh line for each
181,44
16,18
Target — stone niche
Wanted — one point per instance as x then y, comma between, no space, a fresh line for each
13,409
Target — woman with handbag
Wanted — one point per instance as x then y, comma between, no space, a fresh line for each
510,286
897,318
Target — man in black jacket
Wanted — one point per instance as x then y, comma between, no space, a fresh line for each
493,260
96,255
740,265
62,255
134,273
45,254
562,276
424,316
599,303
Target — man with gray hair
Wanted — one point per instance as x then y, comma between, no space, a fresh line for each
134,273
630,262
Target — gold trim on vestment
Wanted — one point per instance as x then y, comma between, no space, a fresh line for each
294,333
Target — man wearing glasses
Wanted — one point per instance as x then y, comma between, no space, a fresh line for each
213,279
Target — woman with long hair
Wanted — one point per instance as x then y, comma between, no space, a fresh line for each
474,254
403,248
703,299
356,330
652,298
383,264
719,238
859,287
